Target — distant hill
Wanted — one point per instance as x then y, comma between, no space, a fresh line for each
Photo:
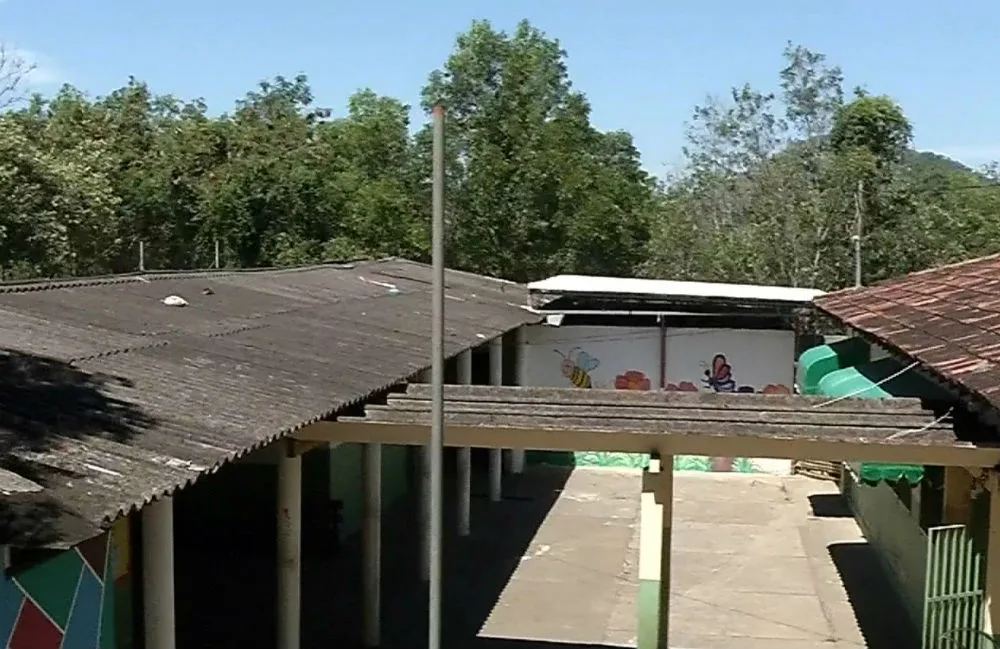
928,162
937,173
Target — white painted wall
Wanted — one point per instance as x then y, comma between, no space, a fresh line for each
756,358
615,350
629,358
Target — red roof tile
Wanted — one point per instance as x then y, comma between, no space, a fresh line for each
947,318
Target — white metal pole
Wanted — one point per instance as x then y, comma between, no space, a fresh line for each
372,539
465,457
437,385
517,454
496,454
158,574
289,548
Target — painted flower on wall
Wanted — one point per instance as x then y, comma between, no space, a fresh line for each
632,380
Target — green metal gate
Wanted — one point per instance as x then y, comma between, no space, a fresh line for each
953,596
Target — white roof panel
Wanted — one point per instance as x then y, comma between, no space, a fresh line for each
586,284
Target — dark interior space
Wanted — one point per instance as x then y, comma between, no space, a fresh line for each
476,569
829,506
226,575
881,615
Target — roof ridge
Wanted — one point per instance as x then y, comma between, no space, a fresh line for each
892,281
953,265
54,283
28,285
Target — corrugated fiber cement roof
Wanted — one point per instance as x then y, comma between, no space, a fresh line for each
109,398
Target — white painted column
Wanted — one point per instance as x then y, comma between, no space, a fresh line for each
289,548
465,457
496,454
425,501
158,574
517,454
655,523
991,600
371,533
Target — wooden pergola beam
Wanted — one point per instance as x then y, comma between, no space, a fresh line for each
508,395
914,449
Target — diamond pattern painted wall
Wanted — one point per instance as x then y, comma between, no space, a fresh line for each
74,600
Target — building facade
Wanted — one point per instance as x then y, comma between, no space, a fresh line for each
634,334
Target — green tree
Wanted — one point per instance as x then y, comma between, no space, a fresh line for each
534,189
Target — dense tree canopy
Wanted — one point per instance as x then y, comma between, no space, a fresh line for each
770,191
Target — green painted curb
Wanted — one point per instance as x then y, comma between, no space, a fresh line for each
649,607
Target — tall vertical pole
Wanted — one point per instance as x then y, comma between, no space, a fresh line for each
496,454
437,386
142,256
517,454
858,209
217,264
465,457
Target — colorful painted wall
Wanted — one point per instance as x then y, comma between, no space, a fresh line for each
77,599
628,358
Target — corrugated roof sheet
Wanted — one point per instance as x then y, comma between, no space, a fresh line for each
946,318
110,398
632,286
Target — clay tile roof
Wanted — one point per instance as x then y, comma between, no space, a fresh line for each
947,318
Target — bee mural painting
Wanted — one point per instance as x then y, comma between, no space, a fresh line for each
576,366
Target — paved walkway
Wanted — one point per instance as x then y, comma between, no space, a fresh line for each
554,566
754,567
751,567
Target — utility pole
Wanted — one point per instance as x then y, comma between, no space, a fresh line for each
142,257
858,210
436,449
216,253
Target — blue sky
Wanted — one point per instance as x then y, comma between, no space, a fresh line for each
643,64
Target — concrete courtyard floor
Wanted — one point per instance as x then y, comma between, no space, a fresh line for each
753,566
759,562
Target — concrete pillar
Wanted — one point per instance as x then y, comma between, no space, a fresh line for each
371,533
465,457
158,574
517,454
654,553
496,454
289,548
991,601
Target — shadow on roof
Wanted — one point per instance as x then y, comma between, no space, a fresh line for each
43,398
43,401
